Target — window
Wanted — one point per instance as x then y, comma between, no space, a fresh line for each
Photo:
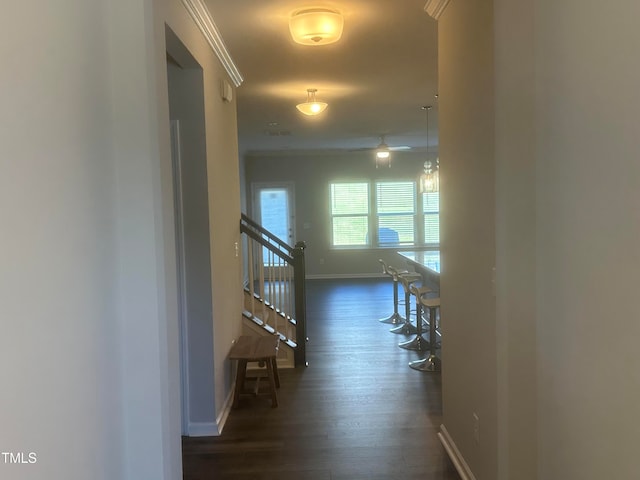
391,210
349,214
431,215
396,211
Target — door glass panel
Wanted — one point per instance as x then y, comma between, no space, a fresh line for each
274,212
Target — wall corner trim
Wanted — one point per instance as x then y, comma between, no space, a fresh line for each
435,8
202,17
454,454
212,429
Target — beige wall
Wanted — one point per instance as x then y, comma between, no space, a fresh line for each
515,157
563,380
148,331
60,380
468,226
588,179
311,175
90,343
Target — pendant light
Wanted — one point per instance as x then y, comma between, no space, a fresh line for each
429,180
311,106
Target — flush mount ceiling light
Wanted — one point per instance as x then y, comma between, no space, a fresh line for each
311,106
316,26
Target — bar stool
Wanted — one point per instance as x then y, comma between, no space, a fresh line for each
406,279
432,363
395,318
418,342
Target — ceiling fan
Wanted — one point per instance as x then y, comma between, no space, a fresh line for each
383,150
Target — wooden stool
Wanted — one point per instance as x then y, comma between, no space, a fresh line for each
256,349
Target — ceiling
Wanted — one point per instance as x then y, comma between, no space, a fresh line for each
375,78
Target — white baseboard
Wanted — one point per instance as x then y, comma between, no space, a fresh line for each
337,276
203,429
211,429
454,454
226,409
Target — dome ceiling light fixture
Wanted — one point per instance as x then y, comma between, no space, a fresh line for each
316,26
312,106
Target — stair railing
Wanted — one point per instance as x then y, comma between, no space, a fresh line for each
275,284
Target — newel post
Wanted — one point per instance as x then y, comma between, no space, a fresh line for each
301,304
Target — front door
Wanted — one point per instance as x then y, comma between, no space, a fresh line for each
274,209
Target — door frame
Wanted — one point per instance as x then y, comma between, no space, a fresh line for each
176,160
256,187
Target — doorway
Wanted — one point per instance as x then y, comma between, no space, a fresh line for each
273,209
193,237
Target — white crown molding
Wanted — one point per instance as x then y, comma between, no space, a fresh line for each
435,8
201,15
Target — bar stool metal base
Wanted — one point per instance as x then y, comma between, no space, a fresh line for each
393,319
418,343
430,364
406,328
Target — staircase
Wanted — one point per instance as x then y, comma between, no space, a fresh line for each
274,293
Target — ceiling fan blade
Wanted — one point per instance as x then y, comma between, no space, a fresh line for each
363,149
381,146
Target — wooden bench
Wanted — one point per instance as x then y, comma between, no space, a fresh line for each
256,349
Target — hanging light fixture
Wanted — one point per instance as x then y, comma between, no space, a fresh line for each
383,154
316,26
311,106
430,177
429,180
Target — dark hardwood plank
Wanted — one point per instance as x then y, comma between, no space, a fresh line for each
357,412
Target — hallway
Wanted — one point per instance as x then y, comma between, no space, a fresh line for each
357,412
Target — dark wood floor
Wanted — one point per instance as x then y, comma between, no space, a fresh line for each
357,412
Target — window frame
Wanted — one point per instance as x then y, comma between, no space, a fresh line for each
372,240
332,216
424,214
379,215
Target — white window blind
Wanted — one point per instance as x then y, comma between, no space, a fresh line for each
396,211
390,214
431,214
349,214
